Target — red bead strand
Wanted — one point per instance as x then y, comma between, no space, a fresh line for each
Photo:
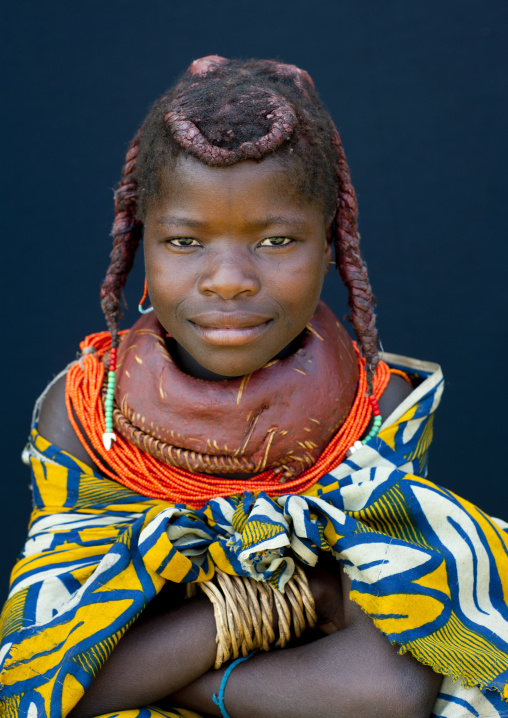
152,477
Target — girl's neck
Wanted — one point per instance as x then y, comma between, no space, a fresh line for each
189,365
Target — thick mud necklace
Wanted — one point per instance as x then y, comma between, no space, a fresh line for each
294,419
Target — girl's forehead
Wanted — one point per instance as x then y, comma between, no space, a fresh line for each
271,184
188,171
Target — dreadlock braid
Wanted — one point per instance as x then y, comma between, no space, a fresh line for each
227,111
351,266
191,139
126,235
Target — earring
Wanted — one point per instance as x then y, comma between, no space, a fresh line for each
140,305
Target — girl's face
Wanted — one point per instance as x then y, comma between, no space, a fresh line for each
235,261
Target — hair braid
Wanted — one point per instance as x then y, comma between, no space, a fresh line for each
351,266
126,235
189,137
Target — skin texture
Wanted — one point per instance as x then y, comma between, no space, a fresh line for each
229,270
234,246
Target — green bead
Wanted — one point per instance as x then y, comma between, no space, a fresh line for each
111,374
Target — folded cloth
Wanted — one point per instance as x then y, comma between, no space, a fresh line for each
429,568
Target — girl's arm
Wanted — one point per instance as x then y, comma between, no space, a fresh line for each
158,655
170,646
351,673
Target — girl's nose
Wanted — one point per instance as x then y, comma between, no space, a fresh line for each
229,276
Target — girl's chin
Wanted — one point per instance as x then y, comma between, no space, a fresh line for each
228,367
217,362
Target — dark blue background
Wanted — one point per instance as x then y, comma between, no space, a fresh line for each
418,92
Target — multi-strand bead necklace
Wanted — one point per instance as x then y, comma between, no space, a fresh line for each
139,471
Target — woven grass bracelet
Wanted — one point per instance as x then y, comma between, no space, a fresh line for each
244,613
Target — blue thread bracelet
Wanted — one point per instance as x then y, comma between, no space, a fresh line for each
219,701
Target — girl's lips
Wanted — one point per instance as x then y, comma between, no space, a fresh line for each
230,336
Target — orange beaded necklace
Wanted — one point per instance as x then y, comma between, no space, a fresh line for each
152,477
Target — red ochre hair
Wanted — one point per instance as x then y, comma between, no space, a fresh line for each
225,111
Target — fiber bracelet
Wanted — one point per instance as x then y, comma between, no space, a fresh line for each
219,701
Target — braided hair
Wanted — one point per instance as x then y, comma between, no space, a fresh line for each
225,111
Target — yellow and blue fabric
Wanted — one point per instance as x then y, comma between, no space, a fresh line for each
430,568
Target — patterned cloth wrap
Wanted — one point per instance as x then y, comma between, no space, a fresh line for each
429,568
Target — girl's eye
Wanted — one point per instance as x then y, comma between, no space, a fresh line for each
275,242
184,242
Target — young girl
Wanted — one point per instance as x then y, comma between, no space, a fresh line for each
236,442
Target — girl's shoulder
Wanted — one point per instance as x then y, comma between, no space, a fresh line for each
55,426
397,390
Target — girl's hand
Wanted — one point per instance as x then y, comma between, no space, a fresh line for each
325,584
